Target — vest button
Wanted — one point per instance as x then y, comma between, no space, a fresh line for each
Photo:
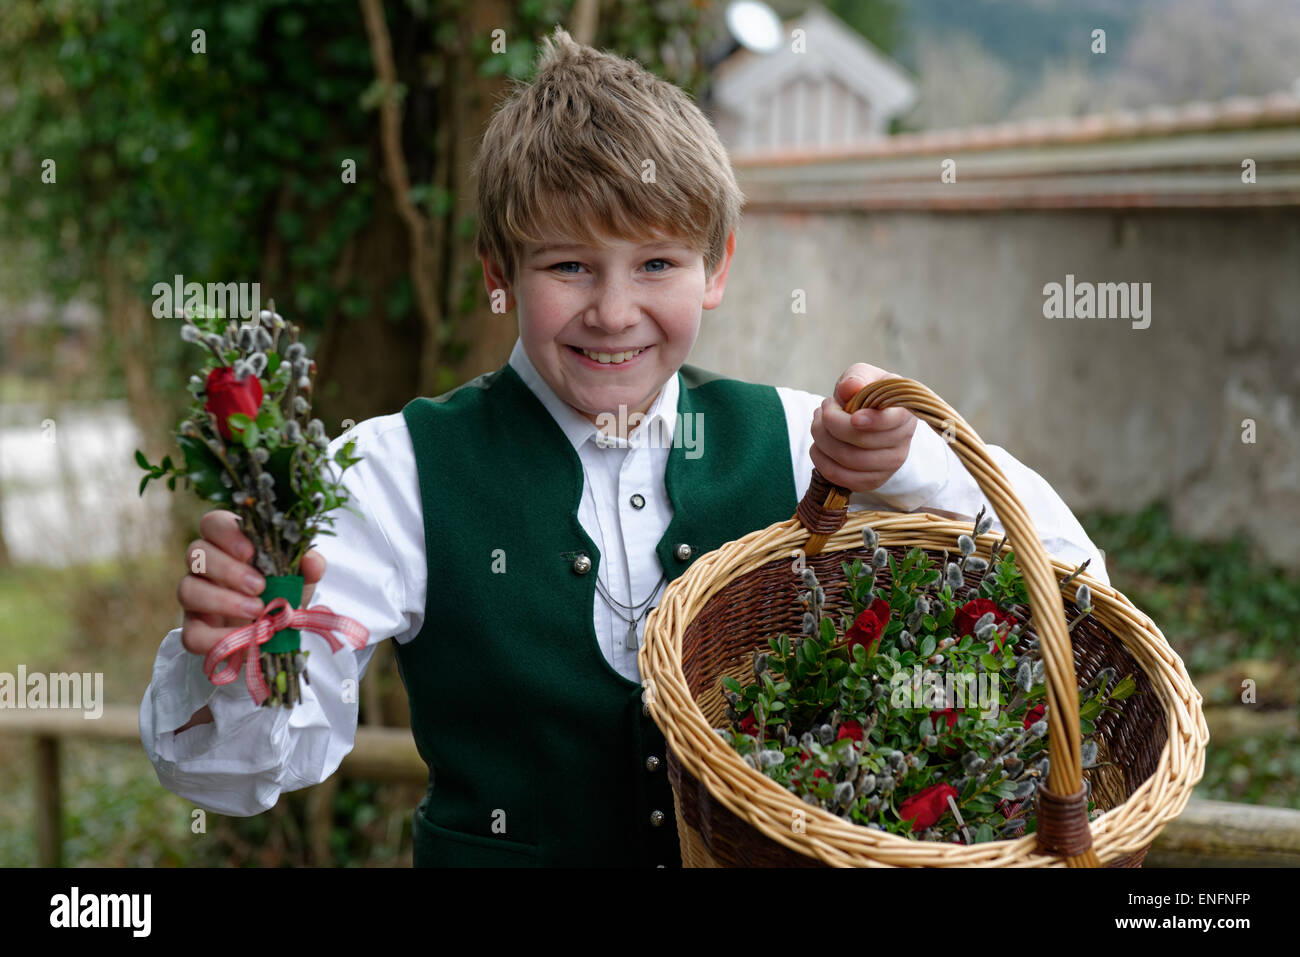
638,500
656,818
652,763
683,551
582,564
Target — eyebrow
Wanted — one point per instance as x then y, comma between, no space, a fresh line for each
658,244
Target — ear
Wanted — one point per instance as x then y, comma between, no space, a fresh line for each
494,278
713,289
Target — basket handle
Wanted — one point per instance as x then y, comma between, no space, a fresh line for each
1063,827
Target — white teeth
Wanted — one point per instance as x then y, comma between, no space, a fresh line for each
612,357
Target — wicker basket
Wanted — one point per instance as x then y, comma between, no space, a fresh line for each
726,605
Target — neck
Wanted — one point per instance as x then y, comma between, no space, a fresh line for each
614,425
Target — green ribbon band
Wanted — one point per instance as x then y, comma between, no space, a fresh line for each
288,587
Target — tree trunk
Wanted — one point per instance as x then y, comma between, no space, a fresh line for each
483,338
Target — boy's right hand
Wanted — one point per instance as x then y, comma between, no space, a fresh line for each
224,596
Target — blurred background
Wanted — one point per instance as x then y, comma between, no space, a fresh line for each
916,175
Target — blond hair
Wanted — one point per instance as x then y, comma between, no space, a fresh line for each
565,153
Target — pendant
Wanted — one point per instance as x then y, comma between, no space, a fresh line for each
630,643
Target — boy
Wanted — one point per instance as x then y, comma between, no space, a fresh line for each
514,534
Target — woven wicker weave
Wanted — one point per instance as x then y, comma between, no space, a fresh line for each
732,599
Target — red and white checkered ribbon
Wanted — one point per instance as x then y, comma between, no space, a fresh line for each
242,646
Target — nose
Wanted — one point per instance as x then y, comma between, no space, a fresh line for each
615,306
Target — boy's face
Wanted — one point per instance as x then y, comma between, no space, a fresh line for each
633,296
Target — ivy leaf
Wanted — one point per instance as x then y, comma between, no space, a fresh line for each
927,647
731,684
141,460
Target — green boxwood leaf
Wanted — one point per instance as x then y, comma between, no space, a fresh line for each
1124,689
204,470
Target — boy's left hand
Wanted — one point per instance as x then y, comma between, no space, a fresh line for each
860,452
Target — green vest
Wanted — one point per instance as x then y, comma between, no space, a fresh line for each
538,750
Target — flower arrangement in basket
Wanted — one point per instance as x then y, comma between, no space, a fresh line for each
249,443
849,721
816,765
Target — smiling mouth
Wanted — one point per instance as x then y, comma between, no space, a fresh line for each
610,358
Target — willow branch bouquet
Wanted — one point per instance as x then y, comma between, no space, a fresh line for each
923,713
249,443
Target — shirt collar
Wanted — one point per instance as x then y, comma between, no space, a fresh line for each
579,430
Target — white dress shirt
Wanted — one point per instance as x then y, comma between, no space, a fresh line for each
376,572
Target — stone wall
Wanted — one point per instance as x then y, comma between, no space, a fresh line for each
1111,415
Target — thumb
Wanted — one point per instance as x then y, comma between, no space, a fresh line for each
851,382
312,566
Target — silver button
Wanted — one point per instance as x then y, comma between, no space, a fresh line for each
683,551
582,564
652,763
656,818
638,500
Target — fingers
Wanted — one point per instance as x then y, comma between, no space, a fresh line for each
864,429
851,479
866,462
221,528
199,638
207,561
198,596
219,593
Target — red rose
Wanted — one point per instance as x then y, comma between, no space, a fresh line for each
868,627
927,806
850,729
226,397
973,611
749,725
1034,713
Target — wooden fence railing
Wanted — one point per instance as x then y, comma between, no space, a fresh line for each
1207,834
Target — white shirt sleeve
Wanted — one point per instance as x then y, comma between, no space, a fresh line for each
933,479
242,760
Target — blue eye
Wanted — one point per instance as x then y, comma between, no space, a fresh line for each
557,266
